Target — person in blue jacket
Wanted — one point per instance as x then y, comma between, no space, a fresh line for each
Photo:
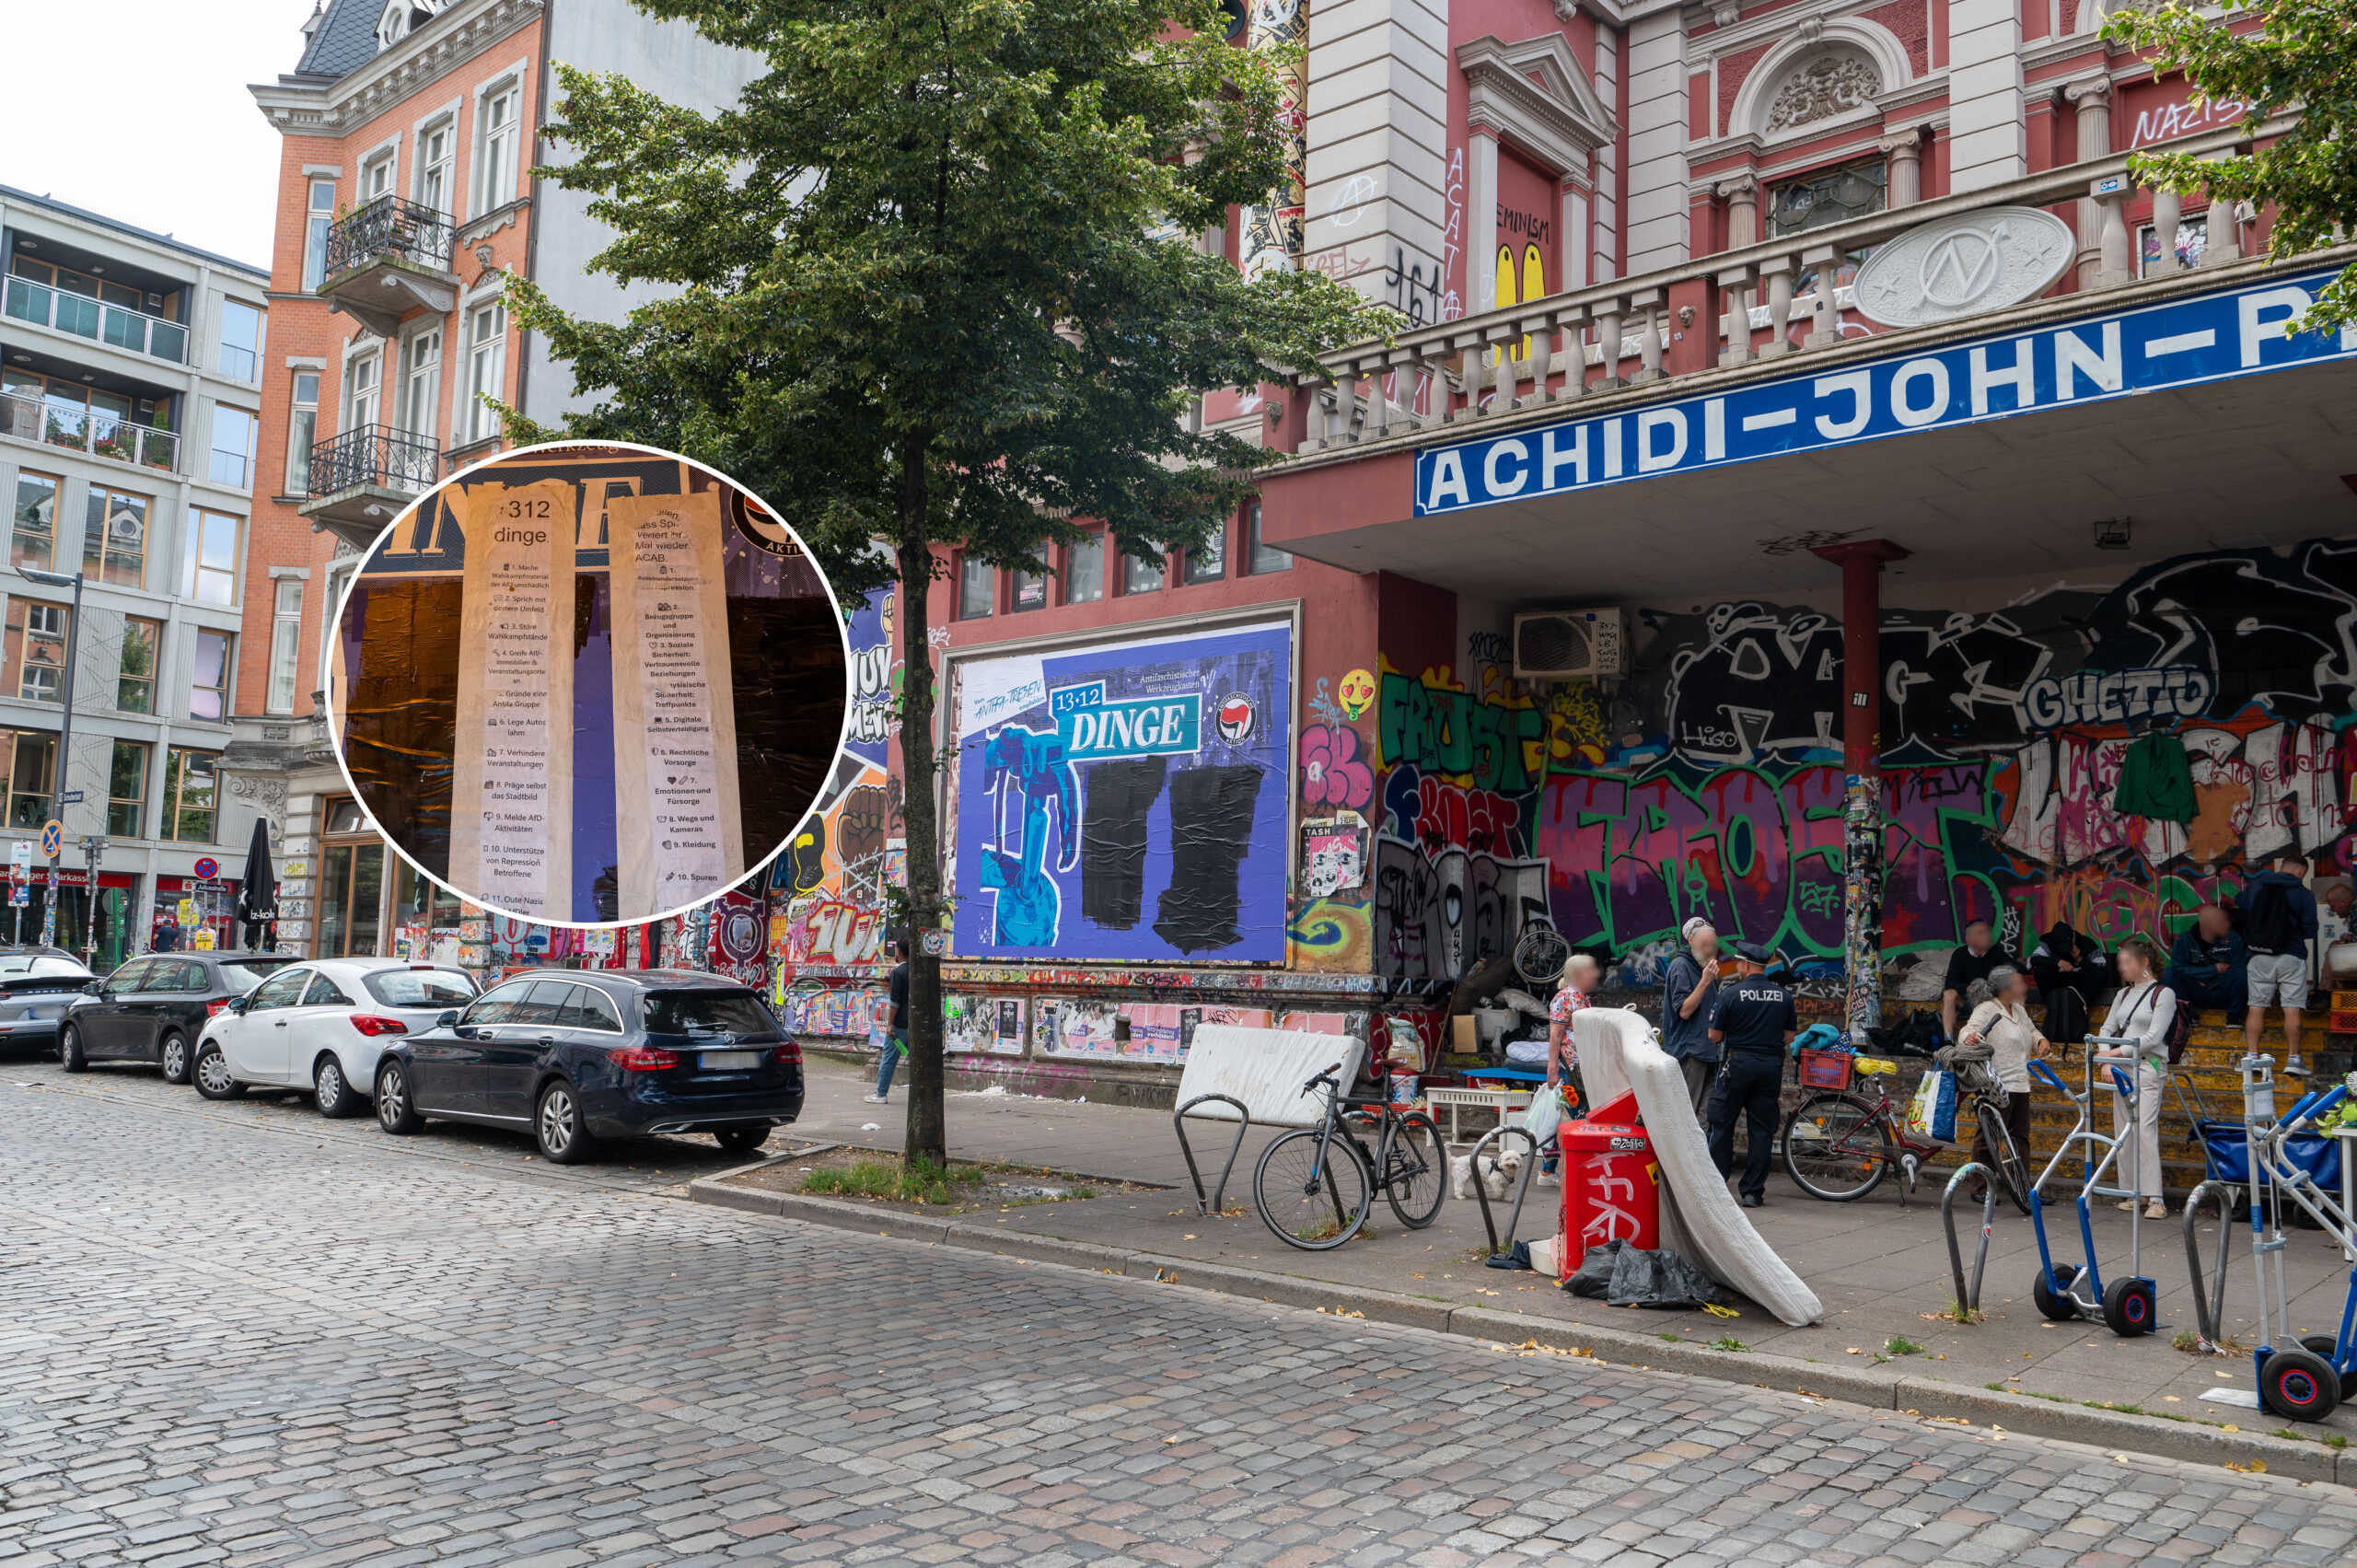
2208,962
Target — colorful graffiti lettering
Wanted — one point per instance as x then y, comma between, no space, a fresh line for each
1333,777
1429,724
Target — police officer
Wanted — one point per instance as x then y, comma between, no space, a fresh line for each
1753,1023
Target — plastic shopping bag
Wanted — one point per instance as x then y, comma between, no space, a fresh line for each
1933,1113
1546,1111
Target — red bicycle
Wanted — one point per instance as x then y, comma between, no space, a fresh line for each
1839,1144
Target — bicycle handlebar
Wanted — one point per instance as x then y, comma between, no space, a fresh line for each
1325,1077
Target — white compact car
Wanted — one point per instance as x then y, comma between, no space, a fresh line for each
321,1026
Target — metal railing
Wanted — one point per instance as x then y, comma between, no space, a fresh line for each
87,430
1743,301
376,457
95,319
389,227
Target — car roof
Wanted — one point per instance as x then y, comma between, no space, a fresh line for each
377,965
649,979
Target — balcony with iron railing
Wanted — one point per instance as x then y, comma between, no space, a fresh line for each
78,314
1767,306
362,477
94,431
388,259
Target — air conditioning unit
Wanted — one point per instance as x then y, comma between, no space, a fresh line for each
1567,644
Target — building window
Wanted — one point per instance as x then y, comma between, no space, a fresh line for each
1832,196
317,221
497,183
1264,557
135,686
36,650
351,884
302,431
434,168
187,797
1030,591
233,445
1085,570
286,637
208,696
1139,576
975,580
29,755
1207,562
127,792
377,177
209,566
393,26
114,538
34,539
422,381
2193,244
360,391
240,339
486,369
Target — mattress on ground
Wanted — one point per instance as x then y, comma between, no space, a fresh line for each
1265,1069
1619,1052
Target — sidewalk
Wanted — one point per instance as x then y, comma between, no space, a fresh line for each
1877,1267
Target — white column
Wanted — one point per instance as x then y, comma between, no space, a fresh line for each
1903,157
1480,222
1378,113
1577,246
1987,142
1606,228
2092,98
1659,206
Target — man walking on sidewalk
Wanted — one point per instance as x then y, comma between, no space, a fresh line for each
896,1025
1754,1020
2279,921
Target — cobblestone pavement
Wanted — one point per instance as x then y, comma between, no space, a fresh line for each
229,1335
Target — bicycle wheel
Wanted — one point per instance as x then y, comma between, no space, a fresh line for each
1541,953
1313,1193
1415,1171
1835,1148
2013,1175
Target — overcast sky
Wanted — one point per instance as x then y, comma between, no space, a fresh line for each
142,112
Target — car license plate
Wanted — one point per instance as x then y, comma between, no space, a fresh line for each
731,1061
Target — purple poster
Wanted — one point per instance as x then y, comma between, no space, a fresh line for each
873,688
1127,801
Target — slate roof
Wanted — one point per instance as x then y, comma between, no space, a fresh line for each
345,41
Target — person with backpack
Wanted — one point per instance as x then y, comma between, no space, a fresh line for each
2072,973
2145,1011
2279,921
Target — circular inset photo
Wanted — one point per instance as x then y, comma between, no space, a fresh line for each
583,684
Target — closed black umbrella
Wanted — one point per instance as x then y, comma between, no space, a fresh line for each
258,898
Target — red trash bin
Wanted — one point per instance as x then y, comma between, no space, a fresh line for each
1612,1184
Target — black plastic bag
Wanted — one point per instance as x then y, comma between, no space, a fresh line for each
1621,1275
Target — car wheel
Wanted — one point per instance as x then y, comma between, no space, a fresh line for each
558,1126
396,1113
212,1072
329,1091
743,1140
172,1056
69,1050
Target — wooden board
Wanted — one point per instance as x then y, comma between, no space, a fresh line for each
678,827
511,789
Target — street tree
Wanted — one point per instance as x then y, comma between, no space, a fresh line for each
935,279
2304,58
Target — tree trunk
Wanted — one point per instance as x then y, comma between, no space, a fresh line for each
928,1136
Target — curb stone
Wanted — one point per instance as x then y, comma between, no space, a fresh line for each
2015,1415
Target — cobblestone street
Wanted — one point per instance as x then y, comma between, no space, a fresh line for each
237,1333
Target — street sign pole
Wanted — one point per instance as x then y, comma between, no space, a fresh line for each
60,769
94,847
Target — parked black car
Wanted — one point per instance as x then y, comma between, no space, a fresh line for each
152,1009
36,984
577,1055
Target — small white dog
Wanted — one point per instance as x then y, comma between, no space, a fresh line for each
1498,1174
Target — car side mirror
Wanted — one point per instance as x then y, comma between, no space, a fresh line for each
96,988
237,1003
448,1020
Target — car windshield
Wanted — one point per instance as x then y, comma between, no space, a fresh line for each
241,975
14,965
419,988
707,1012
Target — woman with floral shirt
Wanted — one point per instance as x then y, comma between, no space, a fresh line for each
1563,1050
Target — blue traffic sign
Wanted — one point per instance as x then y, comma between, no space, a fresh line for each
52,837
208,868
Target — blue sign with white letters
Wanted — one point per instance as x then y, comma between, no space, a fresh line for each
2208,337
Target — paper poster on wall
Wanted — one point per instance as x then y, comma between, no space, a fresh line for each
1134,807
675,725
973,1024
511,764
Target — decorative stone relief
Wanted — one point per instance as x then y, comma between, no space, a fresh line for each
1831,84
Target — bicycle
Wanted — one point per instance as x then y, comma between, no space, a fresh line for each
1839,1145
1323,1179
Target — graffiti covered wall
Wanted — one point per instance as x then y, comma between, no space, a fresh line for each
829,882
2021,778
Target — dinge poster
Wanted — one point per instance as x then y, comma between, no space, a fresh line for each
1126,801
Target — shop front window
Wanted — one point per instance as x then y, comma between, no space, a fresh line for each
351,889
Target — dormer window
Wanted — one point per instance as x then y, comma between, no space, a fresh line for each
393,26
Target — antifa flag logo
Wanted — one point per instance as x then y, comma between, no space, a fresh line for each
1234,718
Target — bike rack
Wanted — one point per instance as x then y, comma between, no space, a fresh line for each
1218,1201
2209,1306
1482,1193
1968,1300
